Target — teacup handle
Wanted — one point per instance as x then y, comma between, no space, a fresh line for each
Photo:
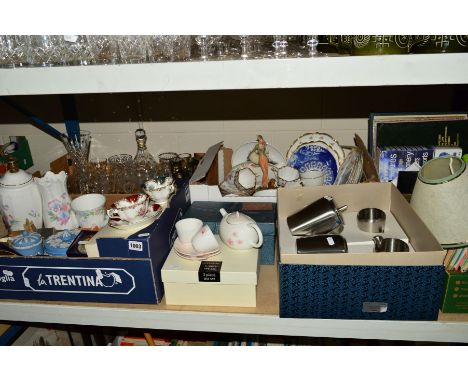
112,213
260,236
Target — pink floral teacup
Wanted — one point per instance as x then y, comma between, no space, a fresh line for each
130,209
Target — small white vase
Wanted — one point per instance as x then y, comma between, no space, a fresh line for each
56,203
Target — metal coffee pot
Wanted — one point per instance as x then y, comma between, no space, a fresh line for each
319,217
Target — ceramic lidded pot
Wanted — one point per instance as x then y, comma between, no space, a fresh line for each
239,231
28,244
20,198
57,245
56,203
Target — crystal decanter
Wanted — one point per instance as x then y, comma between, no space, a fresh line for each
145,164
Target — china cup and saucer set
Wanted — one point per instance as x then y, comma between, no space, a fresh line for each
139,210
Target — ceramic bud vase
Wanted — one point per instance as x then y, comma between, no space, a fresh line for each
56,203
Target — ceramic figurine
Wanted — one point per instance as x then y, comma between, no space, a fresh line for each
259,156
56,203
20,199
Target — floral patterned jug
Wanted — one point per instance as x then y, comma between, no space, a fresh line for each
56,203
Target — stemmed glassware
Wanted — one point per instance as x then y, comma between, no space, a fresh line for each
280,44
205,42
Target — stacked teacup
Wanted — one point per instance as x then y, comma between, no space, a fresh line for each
195,241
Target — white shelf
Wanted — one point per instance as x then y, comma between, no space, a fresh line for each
417,69
263,319
447,331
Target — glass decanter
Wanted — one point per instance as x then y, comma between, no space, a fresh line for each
144,162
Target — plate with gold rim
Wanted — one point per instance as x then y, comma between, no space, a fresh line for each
318,139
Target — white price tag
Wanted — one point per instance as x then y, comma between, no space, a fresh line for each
135,246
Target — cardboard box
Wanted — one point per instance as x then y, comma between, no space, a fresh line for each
127,271
455,298
362,285
211,171
227,279
264,215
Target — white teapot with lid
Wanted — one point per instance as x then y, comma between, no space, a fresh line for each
239,231
20,198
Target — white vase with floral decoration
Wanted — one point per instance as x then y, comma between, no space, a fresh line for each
56,202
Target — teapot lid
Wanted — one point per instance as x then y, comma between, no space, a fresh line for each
238,218
15,177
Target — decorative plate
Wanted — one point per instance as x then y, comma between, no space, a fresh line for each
319,139
241,155
313,157
154,212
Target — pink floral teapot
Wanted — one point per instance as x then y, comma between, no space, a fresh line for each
239,231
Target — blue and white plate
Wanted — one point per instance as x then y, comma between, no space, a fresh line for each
315,157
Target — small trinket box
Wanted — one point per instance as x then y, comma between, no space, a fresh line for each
57,245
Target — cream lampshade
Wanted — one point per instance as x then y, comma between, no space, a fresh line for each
440,198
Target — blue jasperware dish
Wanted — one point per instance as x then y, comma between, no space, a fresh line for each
57,245
28,244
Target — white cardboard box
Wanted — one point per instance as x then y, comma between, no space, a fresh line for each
427,250
200,191
237,285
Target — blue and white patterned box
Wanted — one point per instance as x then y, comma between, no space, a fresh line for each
360,285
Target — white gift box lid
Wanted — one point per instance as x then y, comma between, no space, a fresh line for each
238,267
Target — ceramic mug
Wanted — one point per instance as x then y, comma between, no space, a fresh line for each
288,177
90,210
159,192
130,209
312,178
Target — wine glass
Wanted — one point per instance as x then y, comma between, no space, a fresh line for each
312,42
204,43
280,44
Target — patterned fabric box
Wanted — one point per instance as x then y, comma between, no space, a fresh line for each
360,292
361,284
